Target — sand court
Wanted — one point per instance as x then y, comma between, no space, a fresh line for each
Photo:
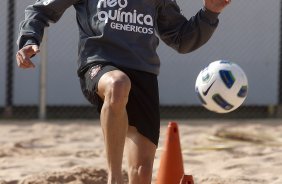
72,152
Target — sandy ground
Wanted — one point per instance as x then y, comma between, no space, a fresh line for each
71,152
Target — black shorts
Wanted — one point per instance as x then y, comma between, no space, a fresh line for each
143,103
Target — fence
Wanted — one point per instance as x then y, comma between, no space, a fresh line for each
245,35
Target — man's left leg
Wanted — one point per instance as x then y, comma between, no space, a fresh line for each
140,155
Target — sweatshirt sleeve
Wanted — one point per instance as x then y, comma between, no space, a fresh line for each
37,17
182,34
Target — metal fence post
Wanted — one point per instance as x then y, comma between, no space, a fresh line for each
43,74
279,105
8,111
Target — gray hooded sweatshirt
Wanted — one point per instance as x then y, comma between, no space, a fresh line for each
123,32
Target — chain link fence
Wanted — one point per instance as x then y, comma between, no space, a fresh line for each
245,36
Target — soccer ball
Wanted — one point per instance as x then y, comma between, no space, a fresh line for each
222,86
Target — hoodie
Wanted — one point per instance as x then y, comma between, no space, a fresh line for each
123,32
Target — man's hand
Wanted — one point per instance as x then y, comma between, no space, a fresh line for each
216,5
23,56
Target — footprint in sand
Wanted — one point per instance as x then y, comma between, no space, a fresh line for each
87,154
86,175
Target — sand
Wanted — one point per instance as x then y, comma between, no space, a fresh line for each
71,152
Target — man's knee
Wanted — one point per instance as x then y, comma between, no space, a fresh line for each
143,172
117,91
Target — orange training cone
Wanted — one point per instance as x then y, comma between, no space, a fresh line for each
187,179
171,165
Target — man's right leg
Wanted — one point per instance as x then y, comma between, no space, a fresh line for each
113,88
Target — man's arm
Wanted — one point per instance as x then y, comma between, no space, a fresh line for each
37,17
187,35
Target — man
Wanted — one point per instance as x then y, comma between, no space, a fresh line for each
118,66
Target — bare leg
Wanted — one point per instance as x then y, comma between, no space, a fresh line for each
140,154
114,88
